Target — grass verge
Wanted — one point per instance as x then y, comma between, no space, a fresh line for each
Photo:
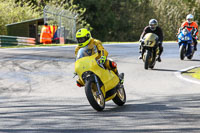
195,73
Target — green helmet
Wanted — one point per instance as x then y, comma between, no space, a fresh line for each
83,37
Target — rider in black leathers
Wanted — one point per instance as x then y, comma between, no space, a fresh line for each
152,28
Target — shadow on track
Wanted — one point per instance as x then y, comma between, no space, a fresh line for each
165,70
37,115
195,60
192,60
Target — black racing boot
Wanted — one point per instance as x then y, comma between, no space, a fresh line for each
142,50
195,47
121,75
195,44
140,57
121,78
158,59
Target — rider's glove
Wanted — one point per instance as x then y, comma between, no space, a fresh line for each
195,37
141,41
102,59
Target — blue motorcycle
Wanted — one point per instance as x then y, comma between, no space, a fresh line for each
186,46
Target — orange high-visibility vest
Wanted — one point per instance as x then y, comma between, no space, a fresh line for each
45,36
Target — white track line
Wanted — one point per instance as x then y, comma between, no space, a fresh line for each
179,75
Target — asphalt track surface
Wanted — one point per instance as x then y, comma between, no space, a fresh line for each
38,93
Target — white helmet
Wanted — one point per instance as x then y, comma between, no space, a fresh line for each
189,18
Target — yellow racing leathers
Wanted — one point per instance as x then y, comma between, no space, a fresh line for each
96,44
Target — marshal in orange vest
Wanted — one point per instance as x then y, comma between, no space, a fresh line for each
45,36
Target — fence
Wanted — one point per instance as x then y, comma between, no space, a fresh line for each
64,19
15,41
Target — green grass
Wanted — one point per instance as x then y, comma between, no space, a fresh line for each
195,73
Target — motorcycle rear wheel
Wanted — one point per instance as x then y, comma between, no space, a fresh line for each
96,101
120,98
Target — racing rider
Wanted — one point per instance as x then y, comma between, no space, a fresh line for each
152,28
84,38
191,25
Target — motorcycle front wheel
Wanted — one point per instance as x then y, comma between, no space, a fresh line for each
182,52
96,101
147,59
120,97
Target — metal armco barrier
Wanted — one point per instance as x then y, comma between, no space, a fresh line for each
15,41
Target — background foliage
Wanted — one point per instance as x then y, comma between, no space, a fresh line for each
109,20
12,12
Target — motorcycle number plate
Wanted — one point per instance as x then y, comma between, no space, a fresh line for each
149,43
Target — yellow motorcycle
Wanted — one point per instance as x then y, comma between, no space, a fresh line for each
101,84
150,50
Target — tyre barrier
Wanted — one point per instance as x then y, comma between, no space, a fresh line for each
16,41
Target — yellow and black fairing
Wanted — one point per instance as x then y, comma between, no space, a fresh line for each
150,39
88,64
150,49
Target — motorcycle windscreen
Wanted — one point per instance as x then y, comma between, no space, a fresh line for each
83,52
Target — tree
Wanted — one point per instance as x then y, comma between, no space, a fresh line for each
109,20
172,13
113,20
12,13
39,5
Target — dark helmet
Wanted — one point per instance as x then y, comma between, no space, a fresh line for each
153,23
